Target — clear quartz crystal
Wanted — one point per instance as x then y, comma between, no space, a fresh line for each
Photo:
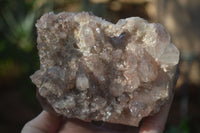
92,69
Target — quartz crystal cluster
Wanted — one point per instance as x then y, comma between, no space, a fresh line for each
94,70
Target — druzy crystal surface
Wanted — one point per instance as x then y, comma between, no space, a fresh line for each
91,69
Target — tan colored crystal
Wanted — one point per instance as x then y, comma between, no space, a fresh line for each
91,69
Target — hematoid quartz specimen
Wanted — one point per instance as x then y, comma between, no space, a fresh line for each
91,69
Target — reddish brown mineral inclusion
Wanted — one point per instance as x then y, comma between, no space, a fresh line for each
91,69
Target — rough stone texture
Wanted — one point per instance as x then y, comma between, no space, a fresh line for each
92,69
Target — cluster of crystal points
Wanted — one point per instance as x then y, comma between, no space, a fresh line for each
92,69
